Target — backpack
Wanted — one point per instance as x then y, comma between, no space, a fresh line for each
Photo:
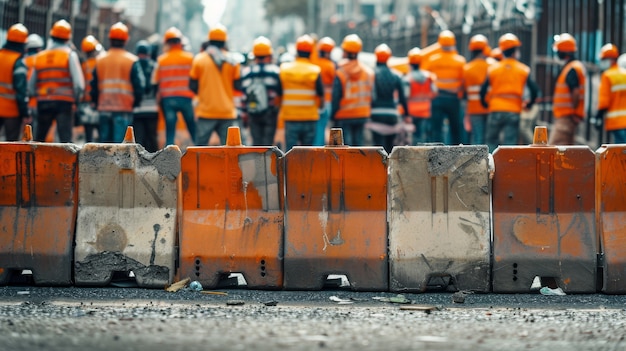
256,96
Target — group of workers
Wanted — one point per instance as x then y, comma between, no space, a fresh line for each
110,90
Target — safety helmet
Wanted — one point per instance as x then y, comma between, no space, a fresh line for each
34,41
496,53
609,51
142,48
352,44
172,33
61,29
383,53
415,56
478,42
17,33
89,44
509,41
446,38
119,31
305,43
262,46
564,43
326,44
218,33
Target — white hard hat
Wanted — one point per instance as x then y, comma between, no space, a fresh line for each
34,41
621,61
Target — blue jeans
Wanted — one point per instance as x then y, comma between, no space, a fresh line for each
446,105
479,129
352,130
320,132
619,136
113,126
171,106
303,132
505,122
206,126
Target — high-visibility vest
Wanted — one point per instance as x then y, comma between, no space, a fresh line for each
562,100
328,76
474,75
300,99
357,91
88,66
8,99
507,80
448,67
420,95
172,73
29,62
114,81
612,97
54,81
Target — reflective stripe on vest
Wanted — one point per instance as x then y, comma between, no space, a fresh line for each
54,82
562,100
384,111
114,81
620,87
300,99
357,96
8,102
420,98
173,74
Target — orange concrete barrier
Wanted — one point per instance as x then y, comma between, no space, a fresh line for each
38,199
335,218
127,213
611,215
544,217
439,218
232,214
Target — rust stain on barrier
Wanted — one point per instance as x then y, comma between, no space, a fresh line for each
111,237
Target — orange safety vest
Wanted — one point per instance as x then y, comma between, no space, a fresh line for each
8,100
29,62
328,77
420,96
88,66
474,75
561,100
114,81
612,97
300,99
507,80
173,73
357,91
54,81
448,67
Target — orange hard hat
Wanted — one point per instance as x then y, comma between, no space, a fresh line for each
496,53
509,41
305,43
446,38
415,56
17,33
262,47
478,42
89,44
564,43
326,44
61,30
609,51
352,44
172,33
118,31
218,33
383,53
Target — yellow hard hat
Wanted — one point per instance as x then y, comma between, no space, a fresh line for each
262,46
218,33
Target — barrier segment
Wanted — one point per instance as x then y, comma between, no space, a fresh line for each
544,217
439,218
38,198
232,214
335,218
127,213
611,215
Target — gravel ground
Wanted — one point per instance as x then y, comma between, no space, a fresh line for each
39,318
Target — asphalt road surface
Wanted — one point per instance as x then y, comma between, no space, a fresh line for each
41,318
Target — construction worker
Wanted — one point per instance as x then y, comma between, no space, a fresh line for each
388,92
34,45
146,116
474,74
507,80
352,92
262,91
57,82
87,114
612,95
171,76
421,89
215,75
117,86
303,94
13,95
568,99
325,46
447,65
